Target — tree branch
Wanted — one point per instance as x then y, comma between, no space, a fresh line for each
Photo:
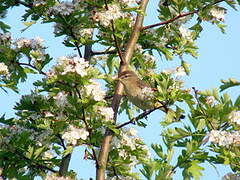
140,116
115,38
24,3
180,16
104,151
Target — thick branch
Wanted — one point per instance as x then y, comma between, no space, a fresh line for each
180,16
103,155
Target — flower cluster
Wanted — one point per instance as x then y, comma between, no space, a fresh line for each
186,33
128,2
218,13
224,138
73,65
105,17
235,117
61,99
83,32
3,69
37,3
15,131
74,134
36,43
107,113
63,8
210,100
180,71
55,177
37,52
5,39
94,90
127,142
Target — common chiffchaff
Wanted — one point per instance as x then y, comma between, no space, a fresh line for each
135,89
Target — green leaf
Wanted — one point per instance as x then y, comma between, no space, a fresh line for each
230,83
28,25
195,170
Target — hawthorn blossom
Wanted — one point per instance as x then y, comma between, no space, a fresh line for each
73,64
3,69
37,3
224,138
5,39
55,177
105,17
63,8
107,112
94,90
218,13
22,43
185,33
75,134
235,117
180,71
128,2
48,155
61,98
210,100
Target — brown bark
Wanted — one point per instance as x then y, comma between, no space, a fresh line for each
104,151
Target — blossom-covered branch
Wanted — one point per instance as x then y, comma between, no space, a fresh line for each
180,16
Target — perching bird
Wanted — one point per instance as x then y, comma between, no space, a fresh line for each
140,93
136,90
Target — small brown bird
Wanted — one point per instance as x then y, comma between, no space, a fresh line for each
137,91
140,93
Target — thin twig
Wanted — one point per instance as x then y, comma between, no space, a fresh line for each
115,38
88,129
33,67
180,16
141,116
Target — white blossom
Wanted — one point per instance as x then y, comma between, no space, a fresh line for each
5,38
105,17
186,33
128,2
94,90
107,112
74,65
48,155
235,117
180,71
61,98
37,3
54,177
64,9
48,114
23,42
3,69
224,138
218,13
132,132
210,100
168,71
75,134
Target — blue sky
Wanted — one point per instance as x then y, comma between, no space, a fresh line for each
218,59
